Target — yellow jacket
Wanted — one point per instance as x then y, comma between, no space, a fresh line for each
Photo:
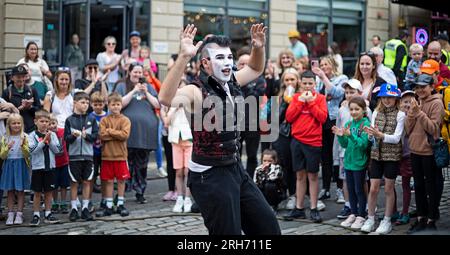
4,150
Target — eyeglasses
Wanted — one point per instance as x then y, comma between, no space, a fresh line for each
111,43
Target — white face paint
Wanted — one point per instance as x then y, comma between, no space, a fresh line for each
222,63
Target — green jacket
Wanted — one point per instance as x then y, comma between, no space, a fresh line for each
355,145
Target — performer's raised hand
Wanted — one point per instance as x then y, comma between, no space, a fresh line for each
258,35
187,46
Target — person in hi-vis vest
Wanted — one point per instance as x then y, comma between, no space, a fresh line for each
396,54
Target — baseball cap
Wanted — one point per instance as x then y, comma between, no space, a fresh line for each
429,66
134,33
19,70
354,84
408,92
91,61
389,90
424,80
442,36
293,34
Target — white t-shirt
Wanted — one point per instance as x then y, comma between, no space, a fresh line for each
35,68
61,108
103,60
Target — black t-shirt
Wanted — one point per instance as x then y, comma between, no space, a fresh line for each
84,83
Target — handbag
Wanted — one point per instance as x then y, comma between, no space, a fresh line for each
440,151
285,129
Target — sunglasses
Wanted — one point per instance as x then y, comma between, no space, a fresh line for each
367,53
111,43
64,69
92,67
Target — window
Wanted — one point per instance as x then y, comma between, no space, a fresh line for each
213,17
142,9
51,32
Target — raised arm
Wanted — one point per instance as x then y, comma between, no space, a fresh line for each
257,59
173,78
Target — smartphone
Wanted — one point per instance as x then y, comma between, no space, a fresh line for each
314,63
142,80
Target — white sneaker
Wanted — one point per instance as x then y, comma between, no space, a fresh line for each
385,227
321,205
187,204
368,226
10,219
178,207
291,203
349,221
359,222
161,172
340,196
19,218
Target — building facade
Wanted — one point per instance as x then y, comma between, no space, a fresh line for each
349,23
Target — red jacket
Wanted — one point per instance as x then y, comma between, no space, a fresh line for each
444,71
307,119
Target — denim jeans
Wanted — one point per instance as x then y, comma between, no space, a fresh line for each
355,186
158,151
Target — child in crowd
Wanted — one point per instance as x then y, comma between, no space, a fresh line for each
98,106
352,88
355,141
413,69
385,132
145,60
269,179
405,162
181,138
114,133
80,133
44,144
307,113
62,170
422,124
15,178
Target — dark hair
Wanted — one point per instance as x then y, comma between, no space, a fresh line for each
243,50
272,153
222,41
360,101
377,36
80,95
27,57
308,74
128,84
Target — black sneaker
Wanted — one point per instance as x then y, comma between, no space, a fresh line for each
325,195
103,204
91,207
104,212
50,219
35,221
122,211
195,208
74,215
417,226
140,199
431,226
315,216
345,212
296,214
86,215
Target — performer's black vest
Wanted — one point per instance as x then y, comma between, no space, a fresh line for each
216,148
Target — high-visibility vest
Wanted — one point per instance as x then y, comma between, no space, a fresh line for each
390,52
447,57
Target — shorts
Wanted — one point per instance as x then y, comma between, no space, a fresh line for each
43,181
114,169
405,167
181,154
62,178
80,171
388,169
305,157
97,163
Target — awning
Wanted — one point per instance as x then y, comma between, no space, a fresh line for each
432,5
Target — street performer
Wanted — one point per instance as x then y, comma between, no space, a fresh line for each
229,200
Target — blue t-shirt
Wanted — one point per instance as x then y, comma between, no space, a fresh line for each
299,50
97,144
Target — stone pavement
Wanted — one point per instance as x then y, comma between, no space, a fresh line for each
156,218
